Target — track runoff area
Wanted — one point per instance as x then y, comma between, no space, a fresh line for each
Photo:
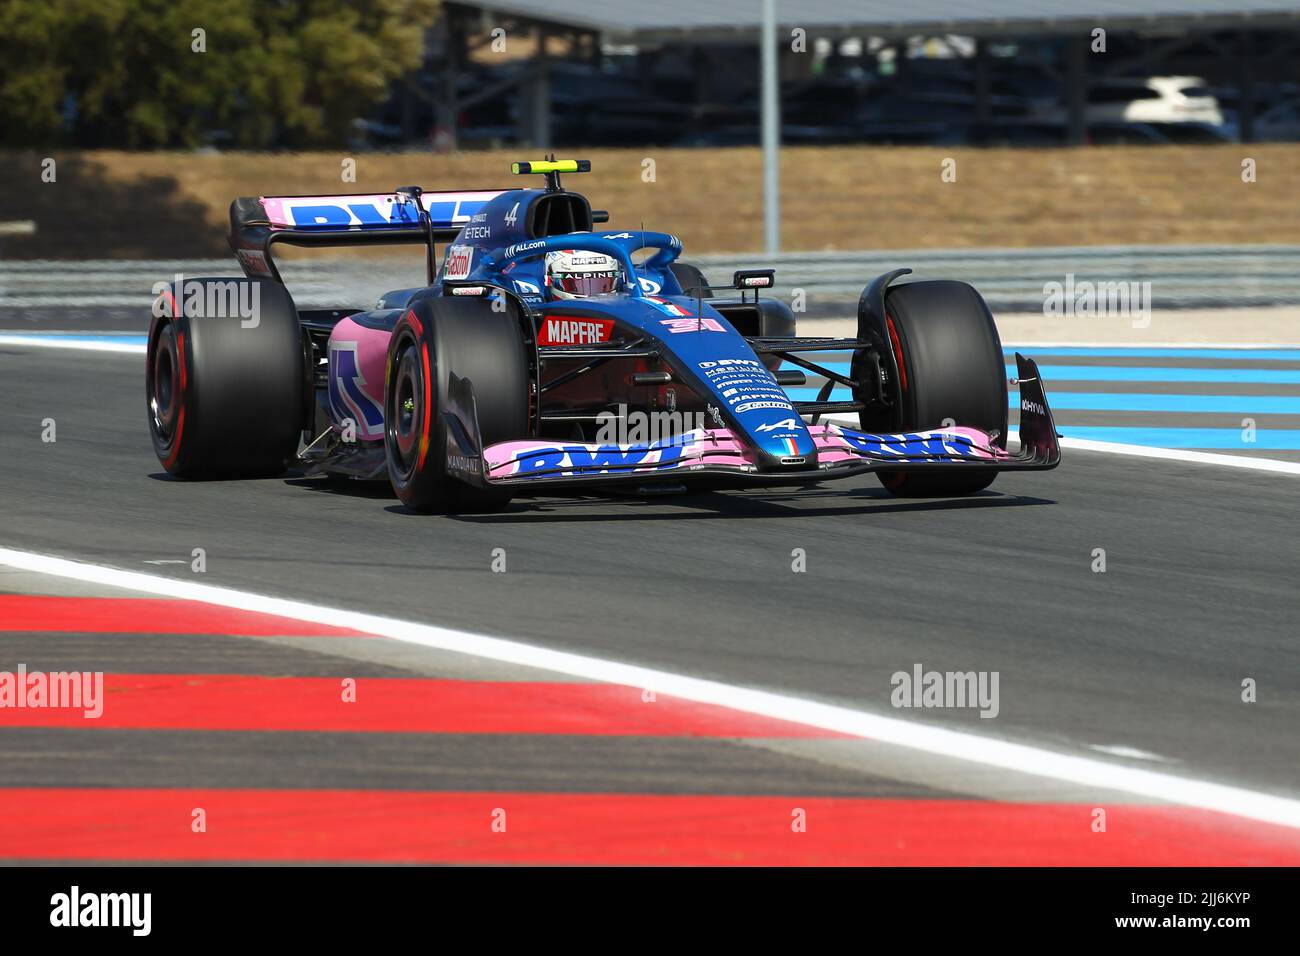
261,724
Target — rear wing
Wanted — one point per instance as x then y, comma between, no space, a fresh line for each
408,215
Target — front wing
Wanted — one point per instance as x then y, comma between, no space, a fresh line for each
718,452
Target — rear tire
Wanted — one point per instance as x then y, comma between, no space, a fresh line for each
226,399
689,277
951,368
435,338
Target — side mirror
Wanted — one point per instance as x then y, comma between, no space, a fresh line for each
754,279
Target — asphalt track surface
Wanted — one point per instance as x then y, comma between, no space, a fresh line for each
1199,593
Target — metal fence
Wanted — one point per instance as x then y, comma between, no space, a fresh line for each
1012,280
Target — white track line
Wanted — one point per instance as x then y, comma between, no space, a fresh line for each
959,745
33,341
1182,454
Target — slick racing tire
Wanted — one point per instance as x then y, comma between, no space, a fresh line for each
689,277
433,340
951,369
225,378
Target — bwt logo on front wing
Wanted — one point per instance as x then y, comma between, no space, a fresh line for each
604,458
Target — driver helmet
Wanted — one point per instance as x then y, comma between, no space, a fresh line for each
574,274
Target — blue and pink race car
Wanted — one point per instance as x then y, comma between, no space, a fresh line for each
545,353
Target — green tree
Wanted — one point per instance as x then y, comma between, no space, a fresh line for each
131,72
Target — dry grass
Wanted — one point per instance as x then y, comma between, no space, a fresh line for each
108,204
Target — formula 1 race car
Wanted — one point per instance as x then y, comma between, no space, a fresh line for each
533,357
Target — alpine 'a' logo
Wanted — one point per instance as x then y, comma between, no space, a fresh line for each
788,424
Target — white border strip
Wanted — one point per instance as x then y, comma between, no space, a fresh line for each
40,341
1181,454
988,751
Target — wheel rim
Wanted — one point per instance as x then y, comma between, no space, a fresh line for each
164,385
405,415
898,354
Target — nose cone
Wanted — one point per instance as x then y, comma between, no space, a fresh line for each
732,379
785,443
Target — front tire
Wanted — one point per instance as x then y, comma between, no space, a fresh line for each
225,391
951,369
433,340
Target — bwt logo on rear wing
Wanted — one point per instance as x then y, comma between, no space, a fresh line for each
256,223
447,210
